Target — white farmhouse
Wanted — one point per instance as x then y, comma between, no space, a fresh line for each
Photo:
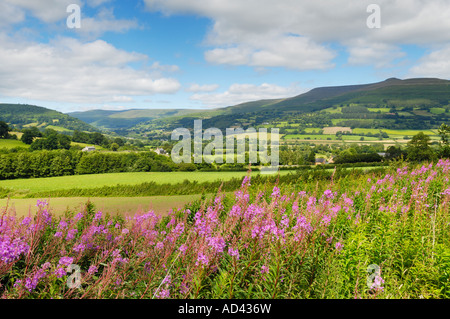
88,149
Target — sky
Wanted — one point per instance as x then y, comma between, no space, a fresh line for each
204,54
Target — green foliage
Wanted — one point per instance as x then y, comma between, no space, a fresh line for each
419,148
28,136
4,129
358,158
20,115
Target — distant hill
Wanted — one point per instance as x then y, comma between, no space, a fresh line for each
119,120
23,115
433,90
420,94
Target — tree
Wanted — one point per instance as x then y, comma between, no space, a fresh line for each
444,132
27,137
4,129
63,141
393,152
51,142
311,157
119,141
114,147
37,145
419,149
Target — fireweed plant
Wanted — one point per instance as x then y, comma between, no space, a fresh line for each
312,239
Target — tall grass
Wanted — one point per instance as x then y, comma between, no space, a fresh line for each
309,239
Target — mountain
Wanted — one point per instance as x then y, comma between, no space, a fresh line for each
119,120
433,90
403,104
19,116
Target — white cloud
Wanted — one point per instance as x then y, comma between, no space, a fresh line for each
284,51
165,68
103,22
52,11
68,70
239,93
10,14
294,34
45,10
232,56
381,55
435,64
202,88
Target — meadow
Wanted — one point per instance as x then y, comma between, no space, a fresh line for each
373,236
114,205
89,181
8,144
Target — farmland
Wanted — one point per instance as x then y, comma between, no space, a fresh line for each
111,179
114,205
8,144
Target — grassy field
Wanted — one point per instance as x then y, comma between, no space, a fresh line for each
378,109
335,129
99,180
58,128
332,110
309,136
97,147
437,110
312,129
114,205
393,133
408,132
5,143
327,137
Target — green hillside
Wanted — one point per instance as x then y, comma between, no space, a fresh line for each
119,120
393,103
421,103
20,116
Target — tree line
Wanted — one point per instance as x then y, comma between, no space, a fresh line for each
47,163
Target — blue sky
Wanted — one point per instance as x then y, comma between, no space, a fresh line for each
211,53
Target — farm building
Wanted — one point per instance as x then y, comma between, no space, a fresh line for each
321,161
88,149
160,151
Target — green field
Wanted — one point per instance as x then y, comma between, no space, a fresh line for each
408,132
358,137
327,137
113,205
58,128
393,133
97,147
379,109
5,143
312,129
99,180
309,136
437,110
332,110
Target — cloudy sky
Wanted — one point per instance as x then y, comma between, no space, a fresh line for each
211,53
